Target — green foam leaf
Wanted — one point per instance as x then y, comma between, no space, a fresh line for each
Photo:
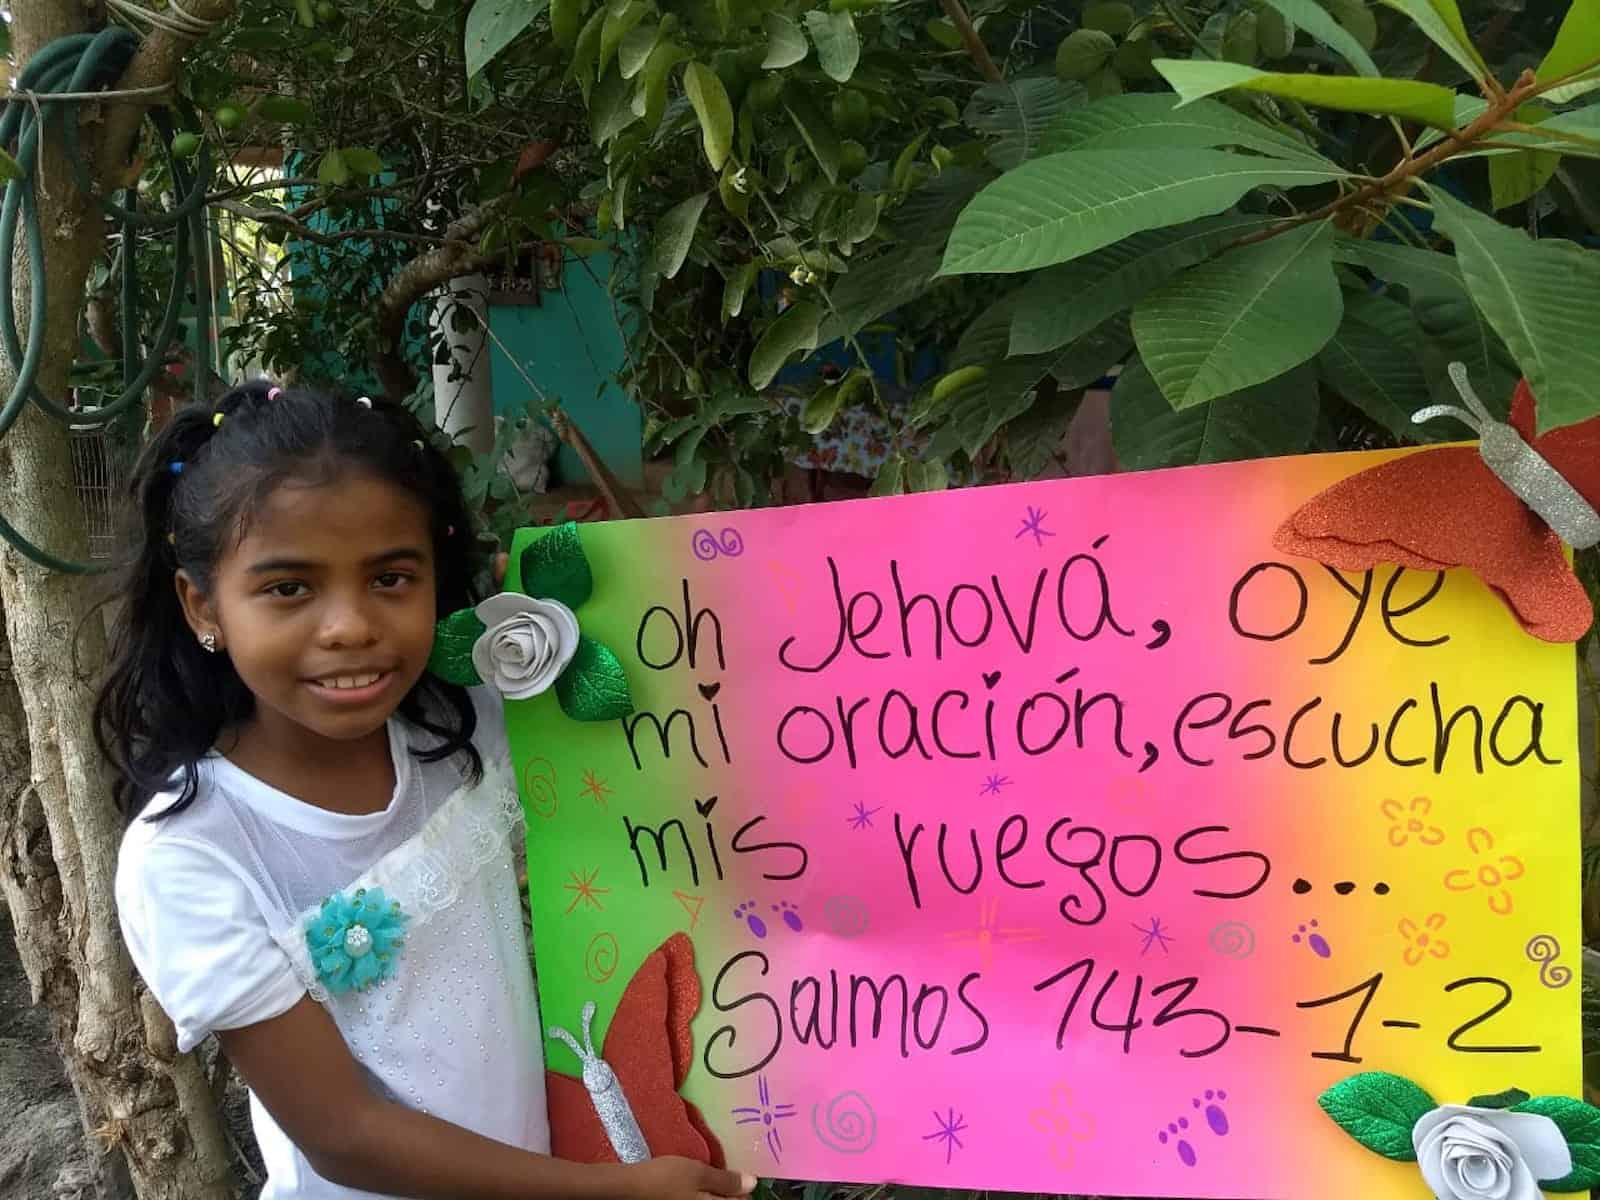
556,568
453,639
1580,1125
594,686
1378,1110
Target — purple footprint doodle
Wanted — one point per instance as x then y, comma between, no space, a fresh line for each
789,915
746,912
1177,1133
1317,944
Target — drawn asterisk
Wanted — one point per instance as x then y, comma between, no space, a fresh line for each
594,786
1154,935
585,891
1033,524
951,1126
861,817
993,784
766,1114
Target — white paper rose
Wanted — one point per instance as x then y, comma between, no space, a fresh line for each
526,644
1488,1153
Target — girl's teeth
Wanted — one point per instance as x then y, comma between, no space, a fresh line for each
346,682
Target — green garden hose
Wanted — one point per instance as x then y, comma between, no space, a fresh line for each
84,63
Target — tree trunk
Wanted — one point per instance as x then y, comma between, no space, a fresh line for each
59,830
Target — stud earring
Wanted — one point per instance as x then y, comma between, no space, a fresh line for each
208,642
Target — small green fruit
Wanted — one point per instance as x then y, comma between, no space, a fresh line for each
764,94
1133,60
1357,20
942,157
186,145
851,114
1082,53
327,14
944,33
229,116
1109,16
852,159
1239,40
1274,34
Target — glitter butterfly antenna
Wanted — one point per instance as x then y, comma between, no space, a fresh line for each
1501,509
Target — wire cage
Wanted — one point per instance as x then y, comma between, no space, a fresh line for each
98,473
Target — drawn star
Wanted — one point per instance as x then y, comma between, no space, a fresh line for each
1033,525
993,784
596,787
585,890
1154,935
951,1126
861,817
766,1114
990,933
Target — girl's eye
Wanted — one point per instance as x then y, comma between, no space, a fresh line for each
289,589
392,579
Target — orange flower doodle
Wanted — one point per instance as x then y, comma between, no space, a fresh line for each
1423,939
1408,822
1064,1125
1491,876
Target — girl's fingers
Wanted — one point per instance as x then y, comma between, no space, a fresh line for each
501,562
717,1184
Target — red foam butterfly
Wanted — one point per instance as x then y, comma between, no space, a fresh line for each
1441,508
649,1048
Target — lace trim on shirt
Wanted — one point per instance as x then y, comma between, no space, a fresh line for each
426,873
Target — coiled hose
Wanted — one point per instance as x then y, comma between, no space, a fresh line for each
84,63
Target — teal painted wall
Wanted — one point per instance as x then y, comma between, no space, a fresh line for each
571,347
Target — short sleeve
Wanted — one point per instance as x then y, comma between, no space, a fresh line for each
490,738
198,937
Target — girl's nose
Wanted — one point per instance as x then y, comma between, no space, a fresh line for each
347,623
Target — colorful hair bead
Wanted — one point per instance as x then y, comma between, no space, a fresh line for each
364,401
216,420
175,466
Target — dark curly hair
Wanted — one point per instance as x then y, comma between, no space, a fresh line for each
198,485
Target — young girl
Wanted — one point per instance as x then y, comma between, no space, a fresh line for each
320,867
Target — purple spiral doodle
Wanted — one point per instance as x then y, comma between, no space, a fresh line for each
1544,950
707,545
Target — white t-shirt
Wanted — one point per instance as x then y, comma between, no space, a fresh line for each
215,903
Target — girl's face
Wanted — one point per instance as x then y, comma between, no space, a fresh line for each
326,607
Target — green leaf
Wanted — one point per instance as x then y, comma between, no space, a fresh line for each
1062,303
826,403
556,568
1514,178
453,639
10,168
1241,319
636,47
711,106
594,687
1441,21
794,330
887,482
1033,439
1373,364
1576,49
838,43
1580,1125
583,247
1274,418
818,134
1315,20
879,285
786,45
1454,330
1425,102
1017,115
1420,272
1509,1098
1542,297
610,112
491,24
675,234
734,290
620,21
587,49
1378,1110
361,160
332,169
1053,209
1141,119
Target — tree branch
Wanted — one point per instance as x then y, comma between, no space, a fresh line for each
155,64
973,39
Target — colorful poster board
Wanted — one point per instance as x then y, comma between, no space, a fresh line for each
1062,837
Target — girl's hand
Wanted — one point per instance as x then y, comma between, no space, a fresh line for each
685,1179
501,561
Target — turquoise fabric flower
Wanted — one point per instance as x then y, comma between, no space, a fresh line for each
356,941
